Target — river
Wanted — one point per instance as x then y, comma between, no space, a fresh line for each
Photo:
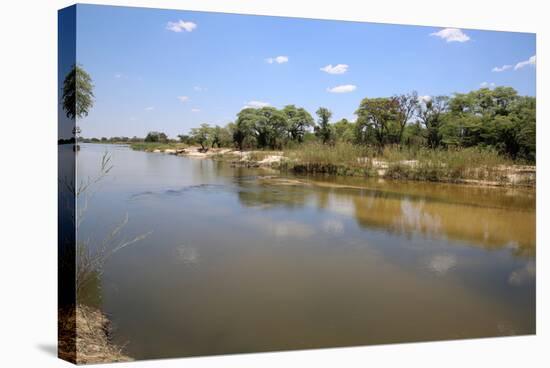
247,260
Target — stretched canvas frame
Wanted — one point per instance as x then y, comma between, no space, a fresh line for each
472,238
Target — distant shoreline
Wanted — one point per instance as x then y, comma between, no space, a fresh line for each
496,175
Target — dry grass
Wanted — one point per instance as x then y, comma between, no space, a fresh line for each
84,337
465,165
83,332
152,146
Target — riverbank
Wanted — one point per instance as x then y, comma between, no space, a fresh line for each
84,338
465,166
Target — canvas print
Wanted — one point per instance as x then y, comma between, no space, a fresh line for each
238,183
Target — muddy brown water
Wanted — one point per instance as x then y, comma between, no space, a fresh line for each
247,260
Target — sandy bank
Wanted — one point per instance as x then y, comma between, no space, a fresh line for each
514,175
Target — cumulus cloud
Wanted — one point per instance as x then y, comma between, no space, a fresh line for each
336,69
195,110
149,108
451,35
256,104
183,98
200,88
487,85
532,61
181,26
278,59
499,69
345,88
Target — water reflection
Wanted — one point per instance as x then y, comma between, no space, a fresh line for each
507,223
441,264
523,275
187,255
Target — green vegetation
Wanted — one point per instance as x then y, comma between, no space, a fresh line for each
78,96
339,159
394,162
77,99
202,136
156,137
324,130
498,120
446,138
152,146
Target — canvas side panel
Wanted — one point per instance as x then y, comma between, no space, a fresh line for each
66,220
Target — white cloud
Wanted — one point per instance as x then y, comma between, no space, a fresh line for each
499,69
451,35
487,85
181,26
278,59
195,110
531,61
118,75
256,104
200,89
183,98
345,88
336,69
149,108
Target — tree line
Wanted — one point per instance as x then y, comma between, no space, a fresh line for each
496,118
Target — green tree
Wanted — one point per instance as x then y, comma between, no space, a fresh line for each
220,137
184,138
376,118
323,130
243,128
407,106
156,137
430,113
523,114
271,127
298,121
344,130
202,135
78,95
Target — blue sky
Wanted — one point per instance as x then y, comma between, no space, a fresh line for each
170,70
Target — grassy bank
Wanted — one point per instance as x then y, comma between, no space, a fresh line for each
466,165
455,166
152,146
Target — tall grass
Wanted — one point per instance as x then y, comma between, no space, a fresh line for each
452,165
340,159
91,258
151,146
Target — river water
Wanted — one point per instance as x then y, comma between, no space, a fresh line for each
247,260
